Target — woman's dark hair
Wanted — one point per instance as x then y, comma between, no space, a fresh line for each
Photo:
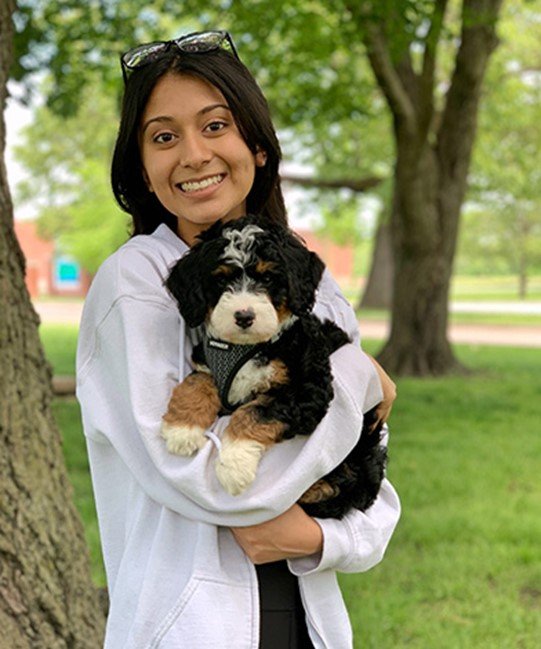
250,112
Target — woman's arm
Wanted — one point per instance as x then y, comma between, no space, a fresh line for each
383,410
291,535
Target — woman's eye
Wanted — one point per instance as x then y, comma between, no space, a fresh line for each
214,127
163,138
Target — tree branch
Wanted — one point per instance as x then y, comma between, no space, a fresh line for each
355,184
478,40
426,85
388,78
379,56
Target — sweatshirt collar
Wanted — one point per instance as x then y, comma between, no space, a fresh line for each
165,233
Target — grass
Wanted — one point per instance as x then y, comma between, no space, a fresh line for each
504,288
509,319
463,570
60,342
68,417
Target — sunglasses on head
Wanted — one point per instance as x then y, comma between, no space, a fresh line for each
196,42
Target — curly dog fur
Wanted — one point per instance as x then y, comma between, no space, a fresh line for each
265,359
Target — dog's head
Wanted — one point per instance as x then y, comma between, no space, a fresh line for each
246,280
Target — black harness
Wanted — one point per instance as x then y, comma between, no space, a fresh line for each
224,361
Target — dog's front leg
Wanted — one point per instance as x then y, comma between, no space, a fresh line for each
243,443
193,407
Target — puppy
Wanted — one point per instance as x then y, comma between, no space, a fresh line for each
264,359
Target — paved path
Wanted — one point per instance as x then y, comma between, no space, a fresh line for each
525,308
52,312
69,312
510,335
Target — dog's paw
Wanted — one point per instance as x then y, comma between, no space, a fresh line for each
183,440
237,464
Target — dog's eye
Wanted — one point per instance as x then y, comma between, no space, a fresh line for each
222,274
265,278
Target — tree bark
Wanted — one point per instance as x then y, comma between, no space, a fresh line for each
433,158
378,292
47,600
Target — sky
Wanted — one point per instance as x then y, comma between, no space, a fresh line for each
16,117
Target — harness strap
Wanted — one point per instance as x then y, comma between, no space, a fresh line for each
224,360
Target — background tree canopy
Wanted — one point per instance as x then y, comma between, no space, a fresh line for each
348,84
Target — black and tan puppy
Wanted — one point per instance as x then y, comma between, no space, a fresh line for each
264,359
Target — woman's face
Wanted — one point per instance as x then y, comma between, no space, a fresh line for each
194,158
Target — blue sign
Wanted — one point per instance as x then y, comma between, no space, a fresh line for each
67,273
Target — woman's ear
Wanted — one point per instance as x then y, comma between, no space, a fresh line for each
260,157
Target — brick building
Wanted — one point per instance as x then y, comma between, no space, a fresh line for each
48,272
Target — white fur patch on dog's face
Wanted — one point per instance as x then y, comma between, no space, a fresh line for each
223,325
240,244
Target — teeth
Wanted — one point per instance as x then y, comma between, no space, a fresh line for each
194,186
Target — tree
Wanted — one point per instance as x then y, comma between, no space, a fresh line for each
434,138
46,596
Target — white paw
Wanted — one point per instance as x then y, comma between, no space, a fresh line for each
183,440
237,464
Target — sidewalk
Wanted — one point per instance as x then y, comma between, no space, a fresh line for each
471,334
52,312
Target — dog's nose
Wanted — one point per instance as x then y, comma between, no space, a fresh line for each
244,318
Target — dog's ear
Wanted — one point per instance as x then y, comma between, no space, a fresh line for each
304,270
185,283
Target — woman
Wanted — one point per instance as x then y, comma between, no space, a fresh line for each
196,144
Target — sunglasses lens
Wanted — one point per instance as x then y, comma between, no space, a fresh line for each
200,42
142,54
204,42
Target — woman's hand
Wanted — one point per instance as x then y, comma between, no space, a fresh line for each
291,535
383,410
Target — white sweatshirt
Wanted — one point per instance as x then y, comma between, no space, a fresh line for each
176,576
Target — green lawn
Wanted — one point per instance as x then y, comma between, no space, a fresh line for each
498,288
60,342
509,319
464,568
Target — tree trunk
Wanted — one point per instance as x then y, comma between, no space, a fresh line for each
418,342
47,600
378,292
433,158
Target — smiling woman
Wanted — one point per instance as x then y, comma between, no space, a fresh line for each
188,107
196,144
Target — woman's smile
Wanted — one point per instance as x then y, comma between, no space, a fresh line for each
194,158
198,186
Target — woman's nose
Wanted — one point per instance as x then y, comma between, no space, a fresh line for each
194,152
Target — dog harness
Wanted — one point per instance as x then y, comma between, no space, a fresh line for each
224,360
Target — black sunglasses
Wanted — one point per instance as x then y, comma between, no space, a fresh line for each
196,42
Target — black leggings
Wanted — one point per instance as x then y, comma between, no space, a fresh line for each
282,618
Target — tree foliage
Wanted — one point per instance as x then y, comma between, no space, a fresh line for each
317,62
503,229
67,161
